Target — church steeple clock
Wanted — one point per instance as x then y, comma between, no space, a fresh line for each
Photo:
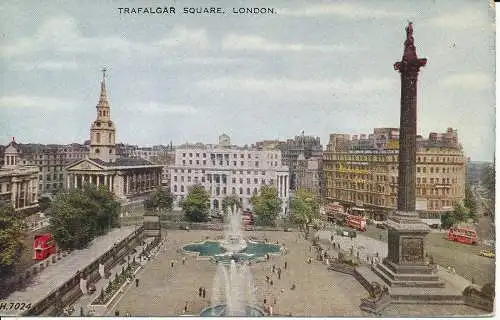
103,131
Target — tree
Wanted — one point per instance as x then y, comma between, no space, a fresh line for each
304,210
11,236
470,202
447,220
79,215
488,180
266,205
231,202
197,204
160,199
460,213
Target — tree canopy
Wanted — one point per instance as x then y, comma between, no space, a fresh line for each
266,205
161,199
488,180
304,210
459,214
197,204
11,236
79,215
230,202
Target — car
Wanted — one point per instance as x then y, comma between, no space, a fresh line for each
381,226
487,253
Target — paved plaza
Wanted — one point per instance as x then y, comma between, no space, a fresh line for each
164,291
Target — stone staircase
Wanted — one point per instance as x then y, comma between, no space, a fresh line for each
407,280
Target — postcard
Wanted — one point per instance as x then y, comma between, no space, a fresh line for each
247,158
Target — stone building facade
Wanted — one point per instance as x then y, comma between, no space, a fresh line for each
309,146
51,161
18,181
130,179
309,174
228,170
363,172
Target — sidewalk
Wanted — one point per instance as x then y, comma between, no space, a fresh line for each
53,276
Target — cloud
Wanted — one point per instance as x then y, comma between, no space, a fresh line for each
43,103
334,86
45,65
206,61
472,80
60,36
258,43
464,20
344,10
152,107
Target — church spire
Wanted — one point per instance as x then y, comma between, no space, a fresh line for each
102,131
103,99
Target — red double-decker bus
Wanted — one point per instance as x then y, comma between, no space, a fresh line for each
43,246
463,235
356,222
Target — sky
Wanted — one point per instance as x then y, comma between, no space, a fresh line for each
322,67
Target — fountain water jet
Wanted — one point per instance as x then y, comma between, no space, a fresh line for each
233,283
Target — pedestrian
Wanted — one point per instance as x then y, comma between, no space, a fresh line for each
117,313
204,293
271,282
293,286
172,264
286,264
274,267
136,282
186,307
81,312
200,289
183,260
270,310
274,301
279,273
265,301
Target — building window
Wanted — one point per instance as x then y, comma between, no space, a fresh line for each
248,191
233,190
255,181
234,180
241,190
182,188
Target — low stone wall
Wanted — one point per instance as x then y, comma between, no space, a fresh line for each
70,291
341,267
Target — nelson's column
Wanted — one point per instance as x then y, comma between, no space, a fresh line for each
404,265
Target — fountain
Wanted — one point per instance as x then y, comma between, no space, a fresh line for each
233,240
233,288
233,246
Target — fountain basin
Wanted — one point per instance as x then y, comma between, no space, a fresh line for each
215,250
221,310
